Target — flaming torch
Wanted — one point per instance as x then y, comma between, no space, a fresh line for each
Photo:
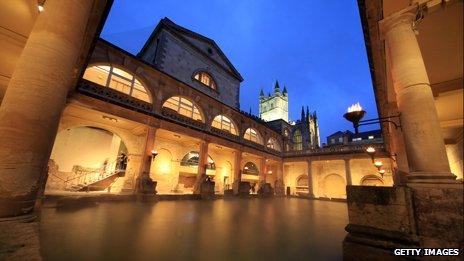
355,114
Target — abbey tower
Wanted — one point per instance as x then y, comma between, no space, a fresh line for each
275,105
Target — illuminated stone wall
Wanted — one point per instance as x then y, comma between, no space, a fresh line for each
329,176
455,152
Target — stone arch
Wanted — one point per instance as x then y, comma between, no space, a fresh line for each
133,147
195,105
225,117
143,81
250,131
333,186
371,180
162,164
302,181
84,154
276,143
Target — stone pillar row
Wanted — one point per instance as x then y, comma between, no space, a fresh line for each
425,147
34,100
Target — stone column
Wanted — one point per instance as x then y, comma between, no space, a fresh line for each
237,171
423,137
279,186
262,171
143,177
310,179
348,172
34,100
202,161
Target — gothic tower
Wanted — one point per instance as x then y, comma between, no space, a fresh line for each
275,105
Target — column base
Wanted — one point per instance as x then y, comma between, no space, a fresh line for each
432,178
145,185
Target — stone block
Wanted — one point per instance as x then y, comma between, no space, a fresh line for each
439,215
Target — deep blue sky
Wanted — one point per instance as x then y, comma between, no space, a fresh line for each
315,48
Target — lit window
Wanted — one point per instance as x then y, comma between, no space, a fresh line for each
223,123
117,79
252,135
272,144
183,107
250,168
357,139
286,133
370,137
340,139
206,79
192,158
297,140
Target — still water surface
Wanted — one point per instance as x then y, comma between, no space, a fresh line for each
236,229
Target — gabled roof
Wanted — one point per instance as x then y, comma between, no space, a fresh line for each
183,34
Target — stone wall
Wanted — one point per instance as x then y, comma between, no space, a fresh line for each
413,216
455,153
181,61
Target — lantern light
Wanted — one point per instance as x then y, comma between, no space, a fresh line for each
378,164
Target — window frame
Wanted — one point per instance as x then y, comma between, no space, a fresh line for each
180,105
221,121
113,76
256,133
213,84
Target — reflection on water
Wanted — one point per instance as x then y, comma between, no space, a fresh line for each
239,229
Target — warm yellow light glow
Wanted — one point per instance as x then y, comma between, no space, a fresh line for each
370,150
382,171
355,107
41,8
269,172
378,164
154,152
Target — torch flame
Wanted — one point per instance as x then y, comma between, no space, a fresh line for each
355,107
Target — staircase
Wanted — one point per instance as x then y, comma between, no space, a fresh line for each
101,183
89,179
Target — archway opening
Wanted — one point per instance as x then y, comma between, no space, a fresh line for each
333,186
371,180
86,159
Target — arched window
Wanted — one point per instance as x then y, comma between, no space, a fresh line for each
273,144
184,107
205,79
120,80
192,158
302,181
252,135
250,168
297,140
223,123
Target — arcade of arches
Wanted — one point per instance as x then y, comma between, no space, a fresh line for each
92,135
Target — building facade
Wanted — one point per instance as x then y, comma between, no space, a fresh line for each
114,103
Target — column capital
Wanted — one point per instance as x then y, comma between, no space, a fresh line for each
405,16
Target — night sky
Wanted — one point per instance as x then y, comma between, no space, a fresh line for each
315,48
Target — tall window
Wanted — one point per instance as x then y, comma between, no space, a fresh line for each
184,107
206,79
297,140
117,79
252,135
223,123
272,144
